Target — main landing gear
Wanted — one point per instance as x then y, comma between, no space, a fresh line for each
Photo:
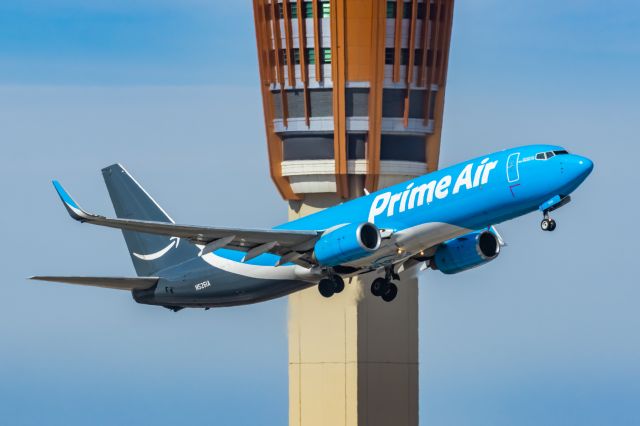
384,288
330,286
547,223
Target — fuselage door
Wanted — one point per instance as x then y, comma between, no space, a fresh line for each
513,174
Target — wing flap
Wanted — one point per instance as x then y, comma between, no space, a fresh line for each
118,283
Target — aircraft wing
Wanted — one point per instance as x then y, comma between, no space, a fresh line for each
291,244
118,283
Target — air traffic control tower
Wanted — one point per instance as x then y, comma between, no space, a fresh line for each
353,94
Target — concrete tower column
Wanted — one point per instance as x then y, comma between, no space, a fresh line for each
353,359
353,96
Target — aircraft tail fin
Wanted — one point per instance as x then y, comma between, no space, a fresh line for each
149,253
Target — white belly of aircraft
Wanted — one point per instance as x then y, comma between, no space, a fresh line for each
410,242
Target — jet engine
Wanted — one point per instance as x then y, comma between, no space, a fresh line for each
347,243
466,252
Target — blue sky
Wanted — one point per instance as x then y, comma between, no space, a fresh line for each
546,334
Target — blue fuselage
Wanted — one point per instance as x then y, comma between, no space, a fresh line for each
420,213
470,195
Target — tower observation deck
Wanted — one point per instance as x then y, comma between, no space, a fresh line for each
353,91
353,97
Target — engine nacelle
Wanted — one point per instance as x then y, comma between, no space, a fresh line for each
466,252
348,243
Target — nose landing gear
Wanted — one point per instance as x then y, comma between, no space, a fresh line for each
554,203
547,223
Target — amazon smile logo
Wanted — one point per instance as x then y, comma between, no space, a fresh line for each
175,242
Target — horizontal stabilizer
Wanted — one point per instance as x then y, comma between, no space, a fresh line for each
118,283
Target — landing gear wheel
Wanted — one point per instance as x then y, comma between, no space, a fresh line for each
552,225
378,286
327,287
545,224
390,292
339,283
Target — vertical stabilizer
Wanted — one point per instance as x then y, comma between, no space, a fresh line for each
149,253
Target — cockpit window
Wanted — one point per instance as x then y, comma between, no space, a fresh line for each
549,154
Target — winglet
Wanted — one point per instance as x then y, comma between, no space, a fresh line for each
75,211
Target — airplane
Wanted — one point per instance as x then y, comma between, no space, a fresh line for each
444,220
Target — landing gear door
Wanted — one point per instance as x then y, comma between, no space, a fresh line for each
513,174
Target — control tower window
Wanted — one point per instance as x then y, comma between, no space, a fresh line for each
307,9
277,105
403,148
321,102
357,102
417,102
407,10
417,58
393,102
357,146
391,9
307,148
296,56
325,9
432,105
311,56
404,57
325,55
429,57
389,56
295,103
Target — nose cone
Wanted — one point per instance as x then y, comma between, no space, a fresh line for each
577,168
584,166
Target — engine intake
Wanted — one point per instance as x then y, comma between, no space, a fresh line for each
466,252
347,243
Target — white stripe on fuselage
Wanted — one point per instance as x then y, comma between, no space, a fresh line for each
294,272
